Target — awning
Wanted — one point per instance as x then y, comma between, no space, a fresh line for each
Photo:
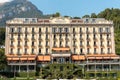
15,58
117,57
9,59
98,57
62,49
23,59
106,58
31,58
78,57
44,58
90,57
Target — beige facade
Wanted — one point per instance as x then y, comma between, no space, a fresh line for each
59,39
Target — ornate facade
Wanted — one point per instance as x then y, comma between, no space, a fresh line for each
88,42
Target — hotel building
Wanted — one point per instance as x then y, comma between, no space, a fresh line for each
89,42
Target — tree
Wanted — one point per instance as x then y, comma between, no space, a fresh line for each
3,60
86,16
93,15
76,17
57,14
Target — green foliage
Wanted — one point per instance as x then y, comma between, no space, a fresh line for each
26,74
56,71
2,36
57,14
3,61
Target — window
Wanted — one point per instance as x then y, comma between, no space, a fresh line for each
32,29
47,50
18,50
87,43
18,43
46,36
60,43
87,29
74,43
81,50
11,42
107,29
93,30
87,36
25,50
60,30
46,43
109,50
94,43
80,29
32,50
32,43
46,29
18,35
60,36
39,50
88,50
54,36
108,43
11,50
73,30
101,43
66,30
39,29
100,30
100,36
94,50
19,29
25,42
80,36
101,50
12,29
25,35
87,20
74,51
54,30
32,35
81,43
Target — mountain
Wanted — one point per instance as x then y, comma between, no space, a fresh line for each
18,9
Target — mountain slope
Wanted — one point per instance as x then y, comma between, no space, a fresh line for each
18,8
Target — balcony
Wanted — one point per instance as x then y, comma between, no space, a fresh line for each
81,45
26,46
95,39
74,39
12,39
40,39
47,39
102,39
102,46
81,32
55,39
40,32
12,46
26,39
88,32
88,39
88,45
61,39
109,38
19,46
47,46
40,46
27,32
16,32
95,46
19,39
47,32
75,46
109,45
33,39
67,39
33,32
81,39
33,46
95,32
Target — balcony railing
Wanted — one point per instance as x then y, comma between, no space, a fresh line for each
47,39
33,39
88,39
95,39
19,39
11,45
40,46
19,46
26,39
12,39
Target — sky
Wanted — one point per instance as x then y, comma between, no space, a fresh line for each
73,7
